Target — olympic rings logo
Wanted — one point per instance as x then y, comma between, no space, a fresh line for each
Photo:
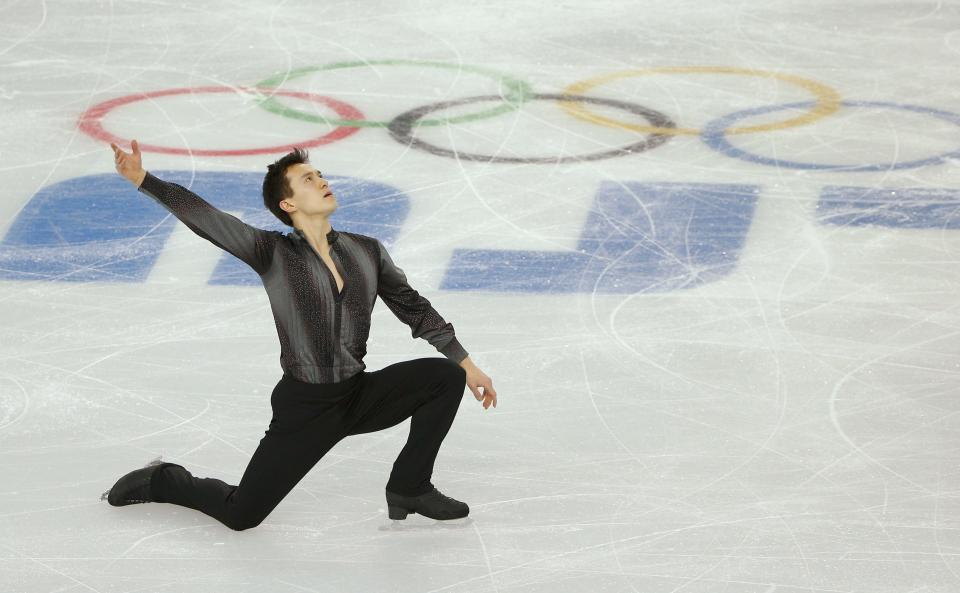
512,95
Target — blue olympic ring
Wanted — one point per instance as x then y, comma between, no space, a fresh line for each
714,135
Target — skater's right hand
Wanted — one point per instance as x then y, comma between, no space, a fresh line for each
129,165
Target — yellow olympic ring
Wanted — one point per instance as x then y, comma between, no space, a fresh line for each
828,100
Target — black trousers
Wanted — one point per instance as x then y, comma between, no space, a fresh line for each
309,419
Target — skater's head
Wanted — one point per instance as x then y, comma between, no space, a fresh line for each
295,191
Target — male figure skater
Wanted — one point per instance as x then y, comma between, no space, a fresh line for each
322,285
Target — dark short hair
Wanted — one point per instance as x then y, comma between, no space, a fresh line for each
276,186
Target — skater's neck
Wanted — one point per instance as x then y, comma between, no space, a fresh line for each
316,232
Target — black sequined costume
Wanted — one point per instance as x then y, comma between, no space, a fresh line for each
323,334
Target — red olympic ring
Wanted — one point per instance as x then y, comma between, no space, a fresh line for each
90,122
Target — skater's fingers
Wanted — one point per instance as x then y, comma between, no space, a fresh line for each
136,148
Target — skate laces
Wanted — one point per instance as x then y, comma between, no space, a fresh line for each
443,497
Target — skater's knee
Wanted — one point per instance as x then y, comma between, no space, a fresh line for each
243,523
455,373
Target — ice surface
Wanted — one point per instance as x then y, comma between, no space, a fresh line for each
715,374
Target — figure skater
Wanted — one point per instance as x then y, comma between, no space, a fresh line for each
322,285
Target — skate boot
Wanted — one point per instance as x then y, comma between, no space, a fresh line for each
134,487
433,504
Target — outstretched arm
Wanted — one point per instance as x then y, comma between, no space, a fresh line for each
251,245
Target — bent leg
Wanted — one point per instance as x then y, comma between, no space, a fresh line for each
278,464
426,390
307,423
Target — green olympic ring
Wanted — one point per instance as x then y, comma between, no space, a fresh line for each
516,92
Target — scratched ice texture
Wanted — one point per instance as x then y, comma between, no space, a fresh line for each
715,289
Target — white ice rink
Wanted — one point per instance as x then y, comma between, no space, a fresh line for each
727,359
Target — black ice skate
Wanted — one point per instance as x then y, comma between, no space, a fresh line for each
433,504
134,487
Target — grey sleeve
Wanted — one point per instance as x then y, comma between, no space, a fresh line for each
251,245
415,310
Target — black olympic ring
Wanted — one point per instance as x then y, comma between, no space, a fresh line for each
401,129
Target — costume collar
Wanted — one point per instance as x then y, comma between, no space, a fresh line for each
331,236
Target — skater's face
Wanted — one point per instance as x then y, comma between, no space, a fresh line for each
311,193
